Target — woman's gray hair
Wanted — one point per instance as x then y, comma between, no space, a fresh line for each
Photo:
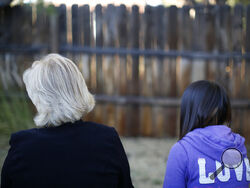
58,90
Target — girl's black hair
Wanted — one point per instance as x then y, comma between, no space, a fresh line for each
204,103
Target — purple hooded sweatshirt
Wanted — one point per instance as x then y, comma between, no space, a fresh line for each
197,155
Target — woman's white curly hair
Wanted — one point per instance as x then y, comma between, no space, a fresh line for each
58,90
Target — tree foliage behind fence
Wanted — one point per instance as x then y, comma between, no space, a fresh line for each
138,63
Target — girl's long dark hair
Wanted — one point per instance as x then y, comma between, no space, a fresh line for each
204,103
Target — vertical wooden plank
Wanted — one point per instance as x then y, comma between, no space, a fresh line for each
186,38
133,111
159,30
148,44
199,65
86,26
75,23
134,32
122,40
171,118
53,25
2,28
19,62
41,28
120,72
246,124
98,18
62,25
146,111
172,40
210,28
247,49
5,38
16,37
237,29
23,37
99,44
210,39
86,43
109,41
85,38
158,113
237,43
109,66
42,25
223,38
5,26
184,68
26,35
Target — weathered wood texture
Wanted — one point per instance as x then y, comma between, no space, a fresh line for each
199,29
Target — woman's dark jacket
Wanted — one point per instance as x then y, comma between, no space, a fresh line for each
80,154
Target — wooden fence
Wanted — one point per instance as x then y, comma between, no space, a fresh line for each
137,63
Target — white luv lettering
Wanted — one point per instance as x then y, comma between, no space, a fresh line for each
224,176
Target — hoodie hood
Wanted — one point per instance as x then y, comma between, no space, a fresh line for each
214,140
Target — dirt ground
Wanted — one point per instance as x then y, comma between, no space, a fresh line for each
147,158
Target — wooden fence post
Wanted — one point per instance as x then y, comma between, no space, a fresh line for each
158,113
246,129
223,38
133,110
120,70
75,25
53,26
109,37
99,44
110,62
98,18
22,24
41,27
172,37
121,75
237,87
5,38
62,25
199,65
185,37
147,90
210,40
85,38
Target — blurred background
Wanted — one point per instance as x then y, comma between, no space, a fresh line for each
137,57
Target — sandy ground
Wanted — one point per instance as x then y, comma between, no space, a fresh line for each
147,158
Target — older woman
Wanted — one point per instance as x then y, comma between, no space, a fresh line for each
65,151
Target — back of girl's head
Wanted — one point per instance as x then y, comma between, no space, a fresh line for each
204,103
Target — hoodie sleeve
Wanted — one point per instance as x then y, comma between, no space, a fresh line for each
176,167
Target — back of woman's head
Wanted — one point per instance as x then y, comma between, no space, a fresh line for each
58,90
204,103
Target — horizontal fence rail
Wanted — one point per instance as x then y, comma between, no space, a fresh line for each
139,100
126,51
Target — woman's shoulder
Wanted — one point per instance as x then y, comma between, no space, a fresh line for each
96,127
16,136
84,128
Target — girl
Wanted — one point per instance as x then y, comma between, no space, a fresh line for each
204,136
